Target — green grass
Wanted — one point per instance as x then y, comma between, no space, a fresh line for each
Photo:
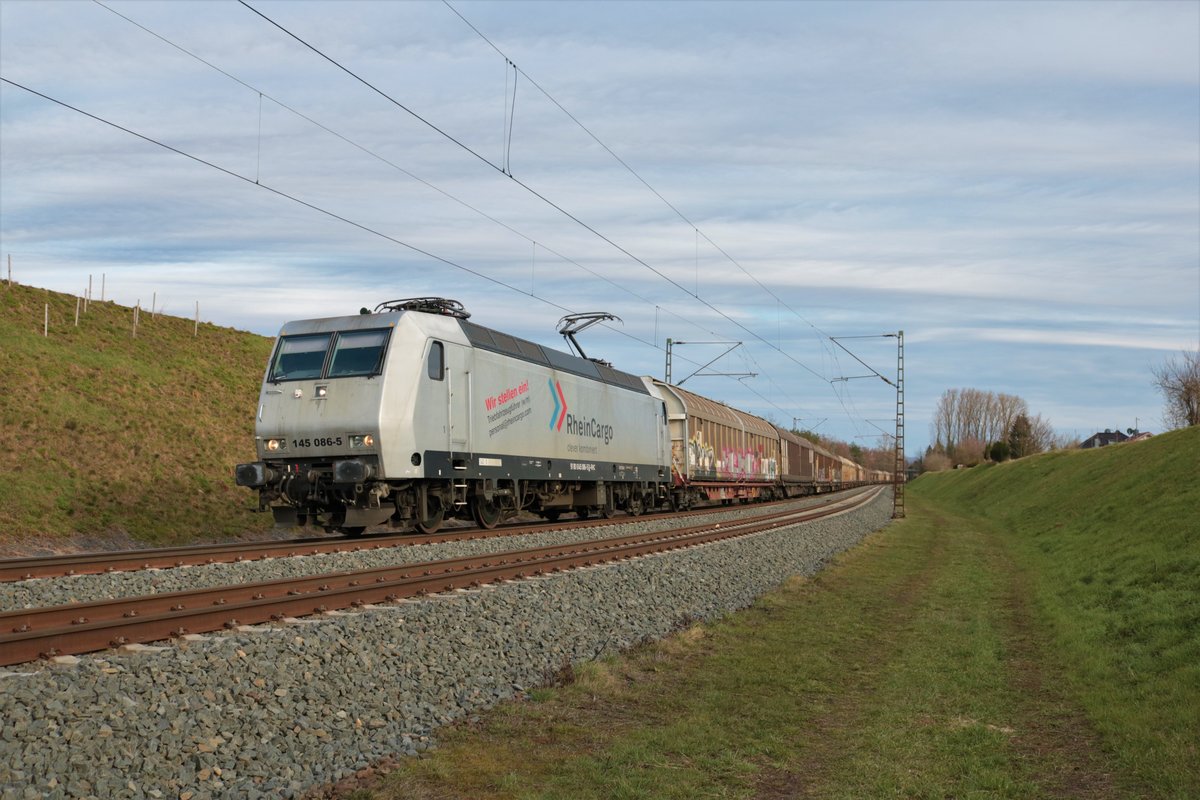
1112,538
1029,631
110,437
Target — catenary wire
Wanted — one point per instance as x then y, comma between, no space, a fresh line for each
306,204
404,171
537,194
634,172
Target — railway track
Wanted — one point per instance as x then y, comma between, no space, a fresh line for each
29,634
18,569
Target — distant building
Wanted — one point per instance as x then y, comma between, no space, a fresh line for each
1137,437
1102,439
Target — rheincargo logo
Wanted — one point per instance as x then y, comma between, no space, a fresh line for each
589,428
583,428
560,405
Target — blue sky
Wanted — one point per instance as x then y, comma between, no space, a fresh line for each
1015,185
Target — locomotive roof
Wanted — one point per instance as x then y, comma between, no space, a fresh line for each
525,350
484,339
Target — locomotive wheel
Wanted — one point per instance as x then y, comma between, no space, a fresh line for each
607,510
634,507
582,512
485,512
431,523
353,532
551,514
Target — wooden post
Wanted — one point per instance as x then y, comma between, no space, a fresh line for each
10,269
102,277
78,300
136,312
46,324
153,303
196,330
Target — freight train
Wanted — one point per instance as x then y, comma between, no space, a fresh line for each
412,414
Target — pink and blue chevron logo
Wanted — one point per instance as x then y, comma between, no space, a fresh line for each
560,405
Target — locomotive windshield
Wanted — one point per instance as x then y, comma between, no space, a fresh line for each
304,356
300,357
358,353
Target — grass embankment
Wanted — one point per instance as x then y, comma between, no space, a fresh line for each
1031,630
106,436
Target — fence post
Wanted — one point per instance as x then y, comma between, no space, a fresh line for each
196,329
46,323
153,303
78,300
136,312
102,277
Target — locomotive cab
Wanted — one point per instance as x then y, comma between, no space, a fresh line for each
334,430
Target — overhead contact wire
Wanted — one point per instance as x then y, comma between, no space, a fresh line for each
534,192
631,170
402,170
311,206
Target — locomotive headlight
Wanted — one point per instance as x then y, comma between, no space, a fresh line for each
274,445
361,440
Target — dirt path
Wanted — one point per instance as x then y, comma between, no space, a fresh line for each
959,611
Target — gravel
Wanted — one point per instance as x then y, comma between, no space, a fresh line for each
41,592
275,710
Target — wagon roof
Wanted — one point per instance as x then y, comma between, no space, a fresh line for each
704,408
802,441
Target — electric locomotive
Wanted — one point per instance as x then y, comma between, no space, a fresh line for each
411,414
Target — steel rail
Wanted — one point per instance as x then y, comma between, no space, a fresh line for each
18,569
28,644
28,619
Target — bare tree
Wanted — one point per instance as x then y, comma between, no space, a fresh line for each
1041,435
967,421
936,461
1178,378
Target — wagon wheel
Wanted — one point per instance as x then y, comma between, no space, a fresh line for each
485,512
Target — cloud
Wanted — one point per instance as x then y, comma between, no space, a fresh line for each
1014,186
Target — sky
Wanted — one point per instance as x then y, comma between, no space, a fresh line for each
1014,185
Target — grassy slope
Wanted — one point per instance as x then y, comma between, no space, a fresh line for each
1112,537
105,435
1030,630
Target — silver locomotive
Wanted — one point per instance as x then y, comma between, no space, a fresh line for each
412,414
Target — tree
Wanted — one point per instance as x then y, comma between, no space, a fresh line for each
1041,435
1019,437
967,420
815,438
1178,379
935,461
999,451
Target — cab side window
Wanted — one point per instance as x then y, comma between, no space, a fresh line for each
437,361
